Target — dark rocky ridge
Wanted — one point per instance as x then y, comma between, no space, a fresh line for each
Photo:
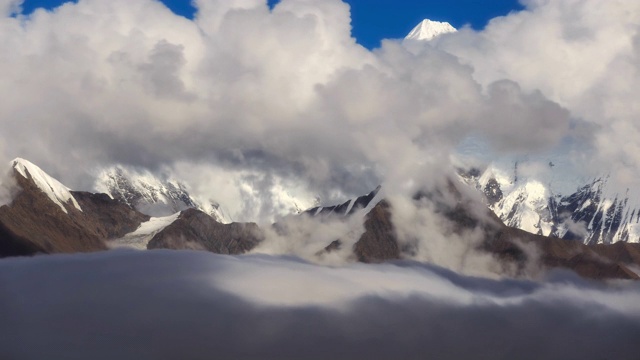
196,230
594,262
344,209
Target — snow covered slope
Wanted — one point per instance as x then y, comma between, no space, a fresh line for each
429,29
54,190
144,233
550,202
151,195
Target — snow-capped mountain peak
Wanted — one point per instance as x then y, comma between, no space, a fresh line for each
56,191
429,29
152,195
594,211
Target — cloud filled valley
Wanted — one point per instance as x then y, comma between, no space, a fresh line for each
259,307
502,160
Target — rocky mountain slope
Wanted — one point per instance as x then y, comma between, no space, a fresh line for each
47,217
194,229
593,212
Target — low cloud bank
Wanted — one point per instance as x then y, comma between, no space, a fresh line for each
168,305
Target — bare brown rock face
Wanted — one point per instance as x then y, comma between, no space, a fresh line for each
590,261
109,218
33,223
196,230
378,242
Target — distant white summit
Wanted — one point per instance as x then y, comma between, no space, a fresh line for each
429,29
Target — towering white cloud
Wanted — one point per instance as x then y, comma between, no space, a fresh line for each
582,54
287,93
9,7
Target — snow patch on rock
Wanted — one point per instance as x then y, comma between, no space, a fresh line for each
144,233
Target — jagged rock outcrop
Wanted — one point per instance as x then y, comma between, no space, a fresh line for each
194,229
346,208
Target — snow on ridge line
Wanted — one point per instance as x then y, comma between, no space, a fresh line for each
55,190
429,29
153,195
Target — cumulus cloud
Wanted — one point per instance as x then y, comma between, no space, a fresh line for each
286,93
10,7
583,55
199,305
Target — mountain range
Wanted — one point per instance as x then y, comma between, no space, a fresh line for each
47,217
589,226
552,200
594,212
